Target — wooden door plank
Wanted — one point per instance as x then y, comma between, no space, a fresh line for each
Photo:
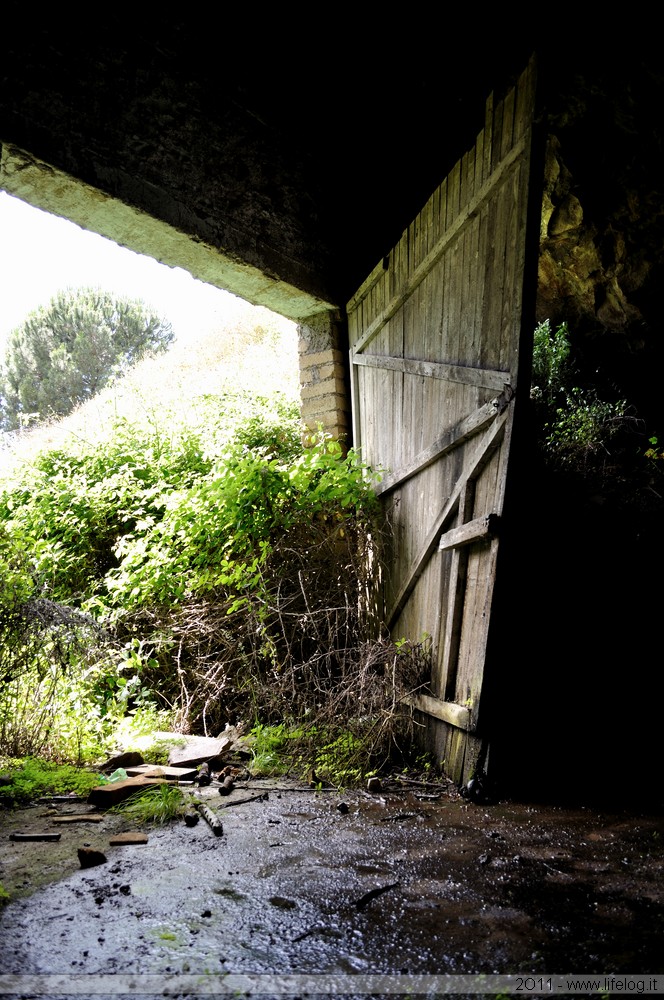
452,618
458,715
461,219
470,531
508,122
488,138
452,438
497,139
525,99
481,377
473,468
473,650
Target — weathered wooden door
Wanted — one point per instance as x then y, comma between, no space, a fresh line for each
435,335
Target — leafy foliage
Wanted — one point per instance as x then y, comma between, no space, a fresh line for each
214,571
66,352
577,428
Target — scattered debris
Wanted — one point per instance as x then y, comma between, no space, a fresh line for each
118,775
263,797
199,750
131,837
425,784
343,808
70,797
162,771
211,818
282,903
477,790
227,786
373,893
305,934
374,785
106,796
82,818
130,758
397,816
202,777
34,836
89,858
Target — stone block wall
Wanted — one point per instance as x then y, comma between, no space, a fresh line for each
324,389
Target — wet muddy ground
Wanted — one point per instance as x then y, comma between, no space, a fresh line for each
295,884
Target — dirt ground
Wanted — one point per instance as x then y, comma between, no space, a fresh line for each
306,881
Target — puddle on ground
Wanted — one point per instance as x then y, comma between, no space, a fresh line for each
294,885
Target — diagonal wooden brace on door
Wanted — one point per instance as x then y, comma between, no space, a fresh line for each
456,436
472,470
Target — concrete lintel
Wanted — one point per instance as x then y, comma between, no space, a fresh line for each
53,191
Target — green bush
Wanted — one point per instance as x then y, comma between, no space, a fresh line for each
210,572
576,427
219,534
67,515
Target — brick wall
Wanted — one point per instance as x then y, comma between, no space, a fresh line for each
323,382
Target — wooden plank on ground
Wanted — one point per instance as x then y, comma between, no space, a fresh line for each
162,771
108,795
83,818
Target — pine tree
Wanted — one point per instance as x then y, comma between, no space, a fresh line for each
66,352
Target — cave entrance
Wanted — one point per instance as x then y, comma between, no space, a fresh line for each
323,400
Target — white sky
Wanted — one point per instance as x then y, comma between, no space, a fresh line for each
42,254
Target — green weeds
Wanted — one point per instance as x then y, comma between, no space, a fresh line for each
577,428
32,778
156,806
591,445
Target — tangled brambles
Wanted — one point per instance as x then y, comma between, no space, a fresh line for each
300,649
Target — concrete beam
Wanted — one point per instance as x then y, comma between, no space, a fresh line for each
54,191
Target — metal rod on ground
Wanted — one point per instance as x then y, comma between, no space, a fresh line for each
211,818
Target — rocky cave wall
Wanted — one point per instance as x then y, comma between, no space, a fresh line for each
601,258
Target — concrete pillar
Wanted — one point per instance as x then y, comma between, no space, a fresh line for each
324,387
